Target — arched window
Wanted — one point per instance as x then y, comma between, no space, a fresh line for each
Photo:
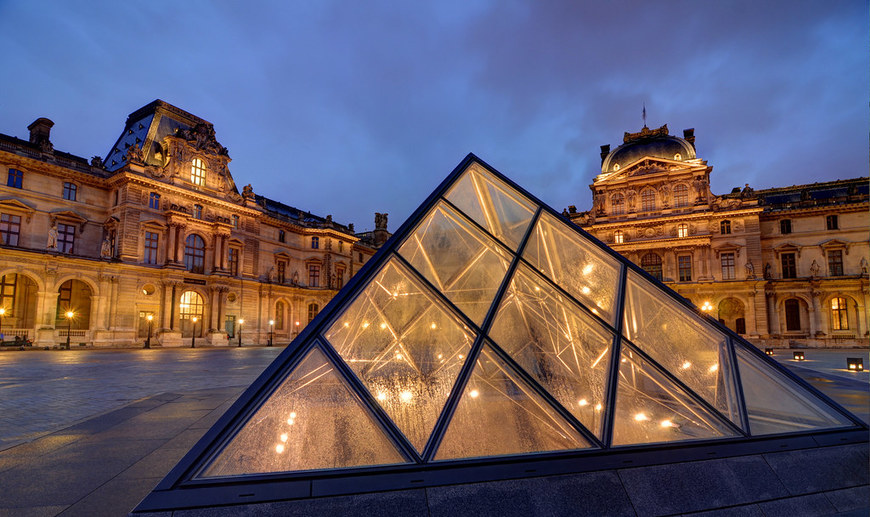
725,227
682,230
792,314
618,237
191,307
194,253
648,200
279,315
839,314
197,172
313,309
652,264
617,204
681,196
315,243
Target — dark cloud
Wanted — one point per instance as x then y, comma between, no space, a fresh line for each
354,107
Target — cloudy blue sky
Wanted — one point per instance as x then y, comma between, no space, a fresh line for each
350,107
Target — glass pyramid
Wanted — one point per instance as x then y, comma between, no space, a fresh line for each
489,326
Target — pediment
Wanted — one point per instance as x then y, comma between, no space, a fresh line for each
728,247
16,205
834,243
643,167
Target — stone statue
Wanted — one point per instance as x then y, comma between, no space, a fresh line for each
814,268
106,248
863,265
767,271
380,221
97,161
52,238
134,154
295,278
247,191
631,197
750,269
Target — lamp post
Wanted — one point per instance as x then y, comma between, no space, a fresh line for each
69,317
241,322
193,335
2,313
271,326
150,319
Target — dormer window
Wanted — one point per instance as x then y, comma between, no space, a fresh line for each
678,156
615,167
197,172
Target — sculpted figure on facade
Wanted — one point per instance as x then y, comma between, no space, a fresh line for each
631,197
767,271
750,269
814,268
106,248
52,238
863,265
134,155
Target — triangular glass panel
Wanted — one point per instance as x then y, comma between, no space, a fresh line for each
498,413
561,346
311,421
461,261
650,408
776,404
405,346
493,204
687,347
575,264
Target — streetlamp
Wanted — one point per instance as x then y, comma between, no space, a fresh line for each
150,319
193,336
69,317
271,326
241,322
2,313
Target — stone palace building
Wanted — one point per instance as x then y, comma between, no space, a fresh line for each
781,266
158,238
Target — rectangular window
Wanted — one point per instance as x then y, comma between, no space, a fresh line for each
197,211
69,191
154,201
313,275
66,236
282,237
339,278
15,178
727,266
151,240
64,298
835,262
315,243
684,263
10,229
8,284
832,222
235,220
233,261
282,271
789,265
839,314
785,226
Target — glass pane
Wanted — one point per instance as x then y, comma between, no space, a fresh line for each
311,421
777,404
682,343
652,409
493,204
405,347
499,414
461,261
575,264
563,348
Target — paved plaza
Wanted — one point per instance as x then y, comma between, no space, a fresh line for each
91,432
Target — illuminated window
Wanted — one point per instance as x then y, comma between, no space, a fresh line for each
835,262
792,315
652,264
8,285
66,237
313,275
154,201
151,240
64,298
10,229
233,261
832,222
191,306
194,254
197,211
617,203
197,172
727,260
235,220
789,265
313,309
684,265
682,230
785,226
69,191
315,243
725,227
681,196
618,237
648,200
678,156
15,179
839,314
279,315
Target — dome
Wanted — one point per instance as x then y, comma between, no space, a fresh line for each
655,143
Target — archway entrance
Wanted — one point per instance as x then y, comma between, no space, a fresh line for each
18,297
733,315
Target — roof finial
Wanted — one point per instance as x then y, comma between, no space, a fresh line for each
644,114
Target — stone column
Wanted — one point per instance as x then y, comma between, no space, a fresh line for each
179,244
171,243
815,319
861,316
772,316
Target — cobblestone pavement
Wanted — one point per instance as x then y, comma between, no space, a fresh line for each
42,391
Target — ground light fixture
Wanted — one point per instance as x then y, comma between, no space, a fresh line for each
768,351
69,317
241,322
855,364
798,356
150,319
193,337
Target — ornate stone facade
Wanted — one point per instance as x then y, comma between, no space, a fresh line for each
157,228
782,266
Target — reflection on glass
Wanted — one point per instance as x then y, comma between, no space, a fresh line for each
557,343
499,414
311,421
462,262
652,409
493,204
777,404
405,347
575,264
682,343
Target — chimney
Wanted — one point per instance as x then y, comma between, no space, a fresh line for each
40,130
605,150
689,136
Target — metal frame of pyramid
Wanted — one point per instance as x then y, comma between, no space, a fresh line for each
545,411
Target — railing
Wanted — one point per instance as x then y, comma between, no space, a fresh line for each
72,333
12,333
